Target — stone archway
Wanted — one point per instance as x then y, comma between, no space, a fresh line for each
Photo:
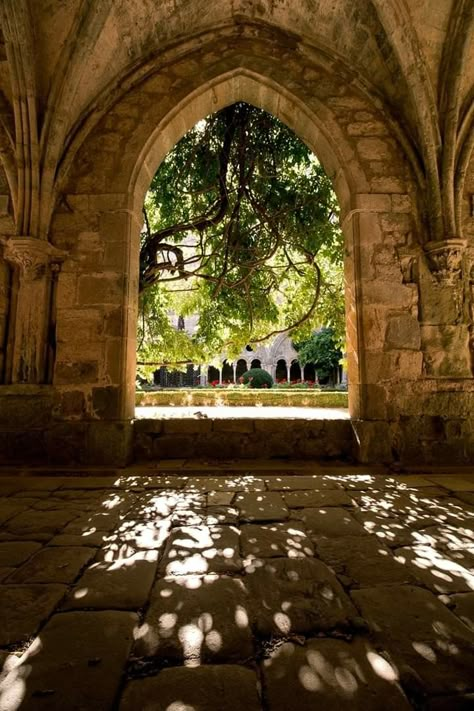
360,148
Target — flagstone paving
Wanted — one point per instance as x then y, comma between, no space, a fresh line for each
257,585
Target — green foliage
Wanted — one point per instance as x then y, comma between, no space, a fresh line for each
322,349
257,378
241,228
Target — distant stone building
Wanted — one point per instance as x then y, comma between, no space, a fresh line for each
278,357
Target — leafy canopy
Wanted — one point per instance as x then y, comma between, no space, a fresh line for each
241,227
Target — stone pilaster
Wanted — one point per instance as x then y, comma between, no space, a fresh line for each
35,263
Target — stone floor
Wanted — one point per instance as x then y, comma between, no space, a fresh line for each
188,586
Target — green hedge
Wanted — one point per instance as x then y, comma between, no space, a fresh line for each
203,398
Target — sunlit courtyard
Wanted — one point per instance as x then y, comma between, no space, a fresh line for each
194,586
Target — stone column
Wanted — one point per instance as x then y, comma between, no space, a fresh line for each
234,370
288,372
36,264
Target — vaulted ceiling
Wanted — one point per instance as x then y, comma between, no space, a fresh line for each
57,57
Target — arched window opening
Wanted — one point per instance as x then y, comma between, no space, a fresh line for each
241,224
281,371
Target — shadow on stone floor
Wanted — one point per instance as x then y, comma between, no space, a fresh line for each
267,589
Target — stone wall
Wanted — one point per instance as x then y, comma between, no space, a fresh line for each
243,439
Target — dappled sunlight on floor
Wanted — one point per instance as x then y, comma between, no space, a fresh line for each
283,588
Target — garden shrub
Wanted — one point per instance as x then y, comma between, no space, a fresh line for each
257,378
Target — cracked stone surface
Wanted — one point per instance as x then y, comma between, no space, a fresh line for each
364,560
24,608
420,633
89,649
310,499
299,596
15,553
228,686
463,607
330,522
197,619
274,540
442,571
244,586
331,674
261,506
202,549
121,578
53,565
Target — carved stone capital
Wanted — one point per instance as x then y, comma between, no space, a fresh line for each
32,257
445,260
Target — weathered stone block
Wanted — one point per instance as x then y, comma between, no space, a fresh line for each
233,687
187,426
65,443
17,552
402,203
106,402
120,580
463,606
310,499
106,288
403,331
113,323
442,572
332,675
367,128
24,608
263,506
188,620
374,441
421,634
94,646
76,373
239,426
72,404
79,325
364,560
374,149
54,565
109,443
329,522
373,201
296,597
202,549
275,540
446,350
174,447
